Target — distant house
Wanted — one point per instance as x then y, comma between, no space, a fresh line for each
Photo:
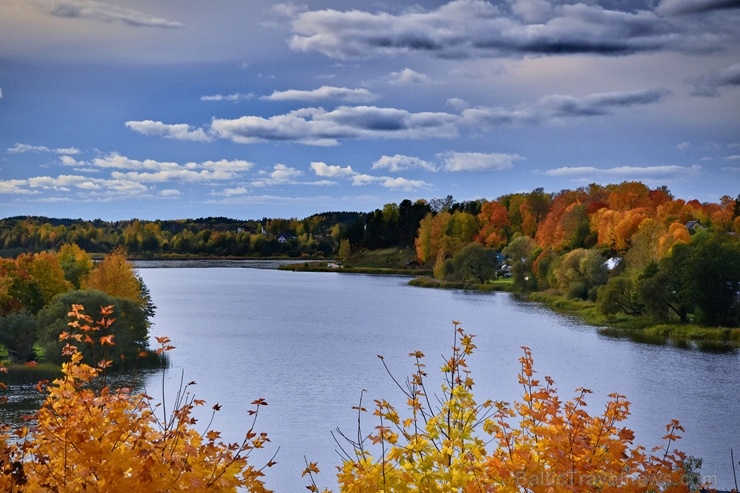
694,227
282,239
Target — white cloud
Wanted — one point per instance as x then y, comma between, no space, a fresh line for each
394,183
180,131
477,161
404,184
174,175
331,171
342,94
103,12
400,162
233,192
15,187
316,126
228,97
19,148
407,76
624,171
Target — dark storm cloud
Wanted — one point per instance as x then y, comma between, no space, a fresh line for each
476,28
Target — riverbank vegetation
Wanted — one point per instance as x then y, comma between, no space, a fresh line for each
89,435
37,291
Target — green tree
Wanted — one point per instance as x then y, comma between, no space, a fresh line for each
519,253
712,277
76,263
476,263
619,294
18,335
130,328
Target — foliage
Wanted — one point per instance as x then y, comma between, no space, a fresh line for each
115,276
129,330
88,439
18,335
344,250
540,444
475,263
76,263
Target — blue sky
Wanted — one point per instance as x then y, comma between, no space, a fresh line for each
249,108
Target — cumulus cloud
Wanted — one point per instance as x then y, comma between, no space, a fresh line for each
22,148
320,127
342,94
331,171
396,183
478,28
360,179
103,12
709,84
238,96
682,7
399,162
179,131
623,172
407,76
152,171
477,161
316,126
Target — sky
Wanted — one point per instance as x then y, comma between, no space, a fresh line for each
172,109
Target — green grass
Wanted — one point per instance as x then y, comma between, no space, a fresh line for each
430,282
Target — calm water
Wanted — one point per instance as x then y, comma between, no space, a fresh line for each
307,343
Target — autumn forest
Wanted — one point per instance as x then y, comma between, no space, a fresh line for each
628,250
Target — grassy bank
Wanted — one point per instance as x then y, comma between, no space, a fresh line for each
29,375
427,281
640,330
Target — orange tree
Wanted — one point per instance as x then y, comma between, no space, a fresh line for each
450,442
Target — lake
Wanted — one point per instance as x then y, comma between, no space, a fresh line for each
307,344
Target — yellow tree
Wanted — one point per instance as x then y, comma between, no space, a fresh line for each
115,276
45,271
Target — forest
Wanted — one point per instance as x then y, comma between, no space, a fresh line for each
632,250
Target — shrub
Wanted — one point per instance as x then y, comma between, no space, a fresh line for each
540,444
112,439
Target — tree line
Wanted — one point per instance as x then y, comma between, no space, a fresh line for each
629,248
